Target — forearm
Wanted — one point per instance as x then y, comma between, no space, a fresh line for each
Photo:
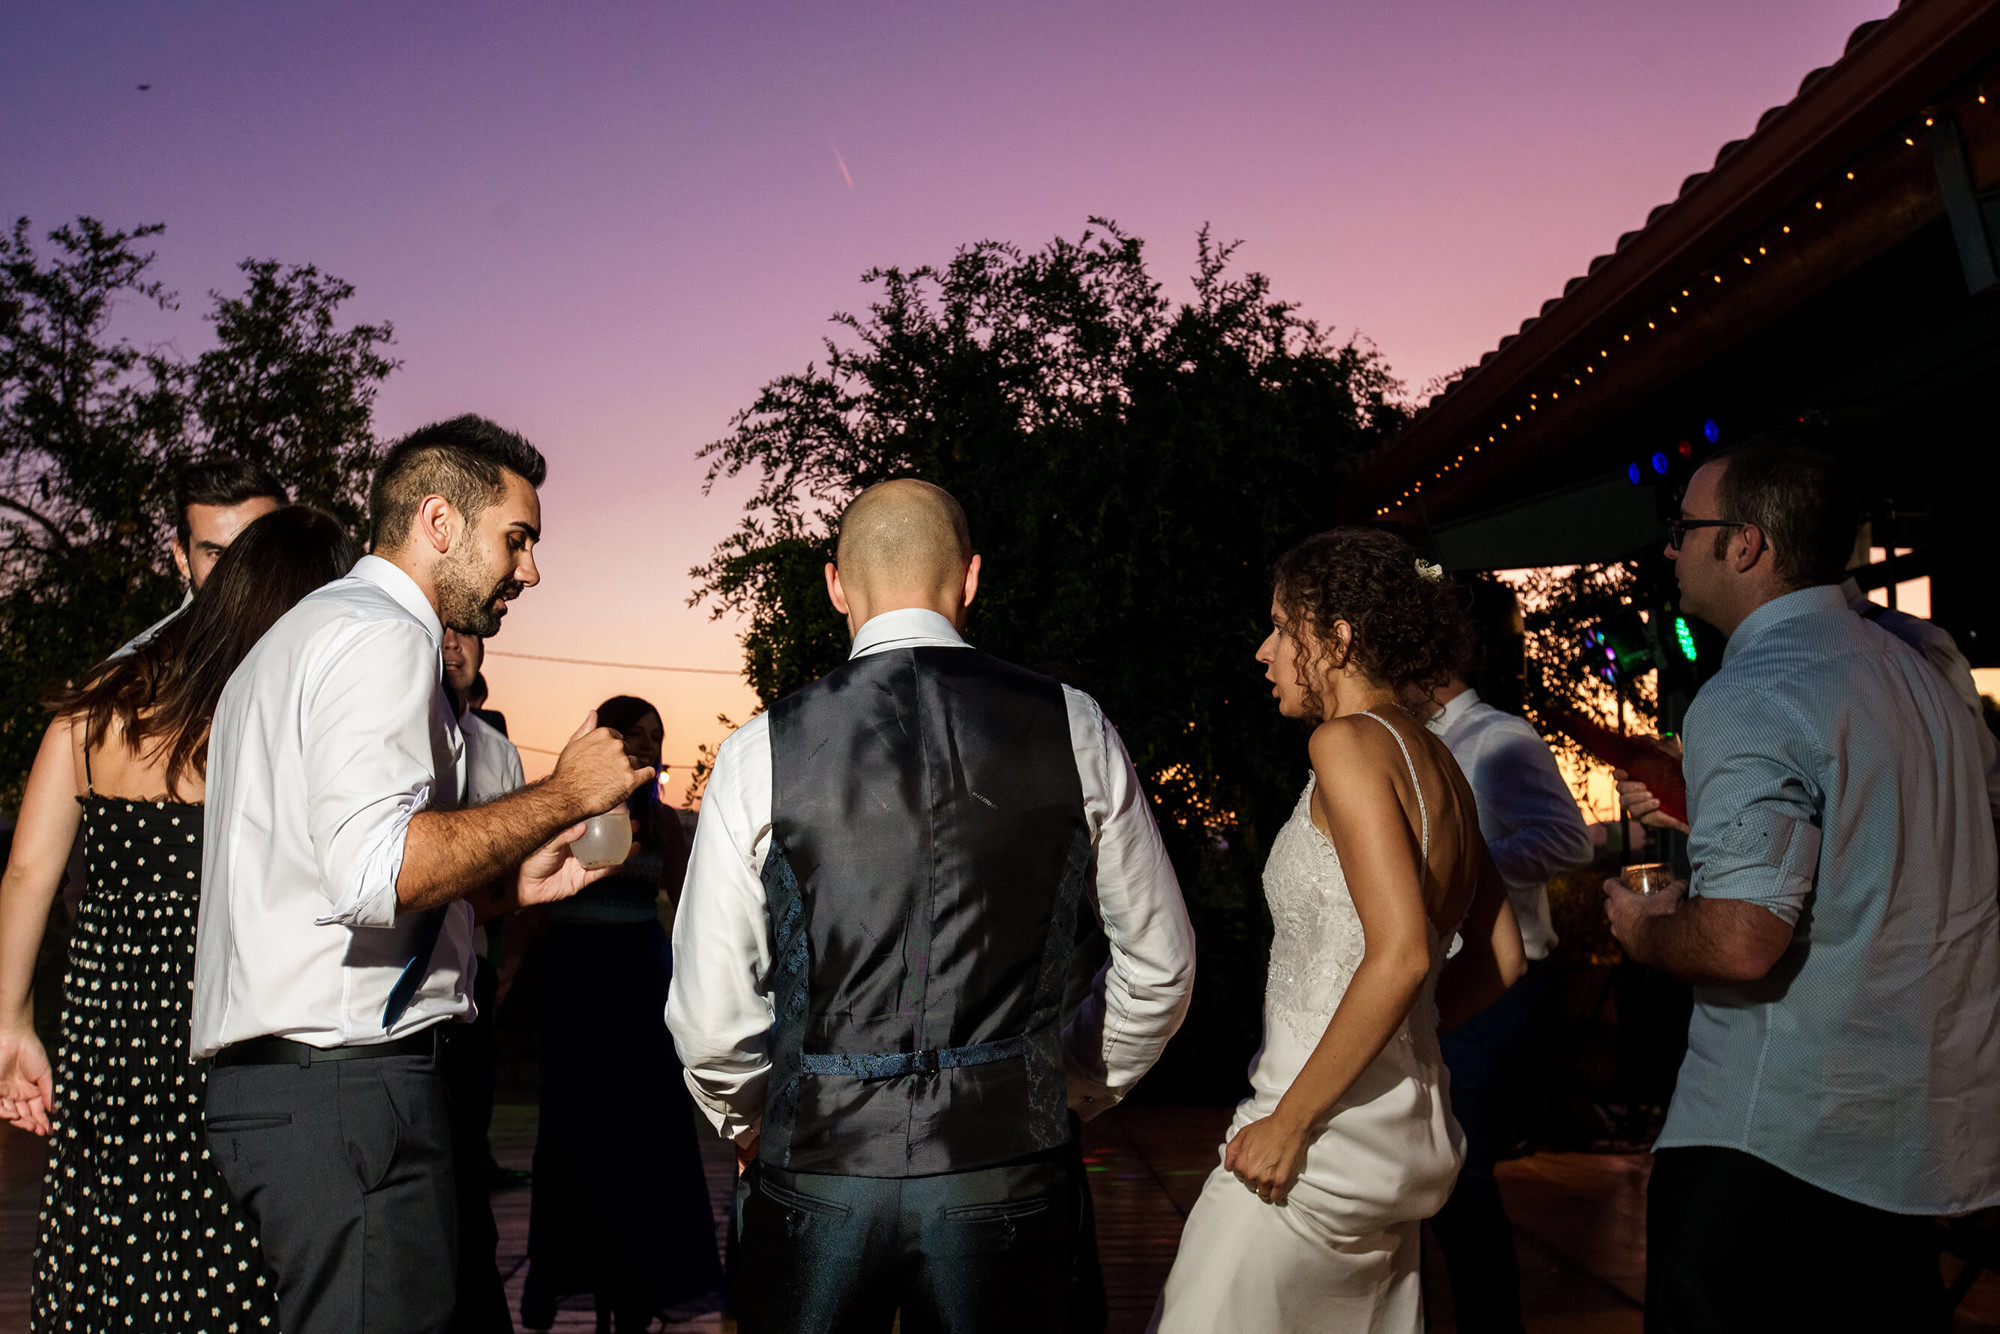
448,855
1378,1000
1481,974
1709,942
24,913
44,840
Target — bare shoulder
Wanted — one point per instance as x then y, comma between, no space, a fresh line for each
1351,747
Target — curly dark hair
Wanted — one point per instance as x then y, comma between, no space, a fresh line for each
1409,631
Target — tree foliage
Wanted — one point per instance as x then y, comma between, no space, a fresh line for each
1561,606
92,428
1131,466
287,386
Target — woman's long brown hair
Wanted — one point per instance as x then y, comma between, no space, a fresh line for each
164,693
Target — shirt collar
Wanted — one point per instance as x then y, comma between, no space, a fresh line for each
905,627
1453,711
391,579
1802,602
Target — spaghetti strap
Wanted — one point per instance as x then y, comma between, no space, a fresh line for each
89,785
1423,813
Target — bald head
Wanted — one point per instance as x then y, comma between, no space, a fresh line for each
903,544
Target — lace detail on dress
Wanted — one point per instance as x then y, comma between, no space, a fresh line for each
1317,941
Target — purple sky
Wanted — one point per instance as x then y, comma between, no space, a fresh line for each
608,225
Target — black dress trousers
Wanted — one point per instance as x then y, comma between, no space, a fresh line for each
968,1252
345,1166
1736,1246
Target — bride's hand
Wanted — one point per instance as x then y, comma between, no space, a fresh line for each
1266,1156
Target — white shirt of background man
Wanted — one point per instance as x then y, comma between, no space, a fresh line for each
492,770
492,764
1526,814
720,1010
333,732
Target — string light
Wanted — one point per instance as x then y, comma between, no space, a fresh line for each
1590,368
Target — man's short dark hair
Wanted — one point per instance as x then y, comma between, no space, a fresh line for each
1799,495
223,480
464,460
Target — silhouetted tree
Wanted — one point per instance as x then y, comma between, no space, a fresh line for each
92,429
1131,467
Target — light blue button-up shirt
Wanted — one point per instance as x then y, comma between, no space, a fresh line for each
1833,780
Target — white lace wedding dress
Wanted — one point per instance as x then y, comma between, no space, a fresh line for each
1341,1253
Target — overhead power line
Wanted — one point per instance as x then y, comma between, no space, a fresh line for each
622,666
544,750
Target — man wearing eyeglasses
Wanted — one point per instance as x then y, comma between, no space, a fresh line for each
1842,1077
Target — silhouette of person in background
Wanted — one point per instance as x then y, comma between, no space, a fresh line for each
492,770
621,1206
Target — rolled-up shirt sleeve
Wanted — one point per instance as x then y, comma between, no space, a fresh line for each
369,765
1755,837
719,1004
1138,999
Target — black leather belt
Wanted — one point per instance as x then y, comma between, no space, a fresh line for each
284,1051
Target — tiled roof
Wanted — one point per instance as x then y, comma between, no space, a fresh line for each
1722,155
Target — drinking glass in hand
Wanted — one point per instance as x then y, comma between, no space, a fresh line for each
1648,877
606,840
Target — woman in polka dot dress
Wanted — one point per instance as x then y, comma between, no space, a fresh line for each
137,1230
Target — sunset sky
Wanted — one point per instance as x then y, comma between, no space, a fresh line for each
607,225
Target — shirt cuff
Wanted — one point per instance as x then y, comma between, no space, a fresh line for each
371,901
729,1124
1763,857
1088,1095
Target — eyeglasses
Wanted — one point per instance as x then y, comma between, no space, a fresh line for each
1678,530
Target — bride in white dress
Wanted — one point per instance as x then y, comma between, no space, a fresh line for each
1347,1142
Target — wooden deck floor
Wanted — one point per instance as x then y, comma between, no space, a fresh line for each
1579,1221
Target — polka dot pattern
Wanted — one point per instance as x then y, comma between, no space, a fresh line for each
138,1231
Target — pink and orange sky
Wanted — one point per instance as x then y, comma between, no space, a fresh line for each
608,225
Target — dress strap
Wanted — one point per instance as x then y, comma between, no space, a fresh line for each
88,784
1423,813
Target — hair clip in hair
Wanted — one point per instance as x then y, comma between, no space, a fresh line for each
1430,569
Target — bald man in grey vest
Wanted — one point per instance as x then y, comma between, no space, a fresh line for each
870,951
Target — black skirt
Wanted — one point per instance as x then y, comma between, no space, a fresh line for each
138,1231
621,1206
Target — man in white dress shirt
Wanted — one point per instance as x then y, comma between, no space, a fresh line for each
334,933
214,499
870,952
492,770
1534,830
